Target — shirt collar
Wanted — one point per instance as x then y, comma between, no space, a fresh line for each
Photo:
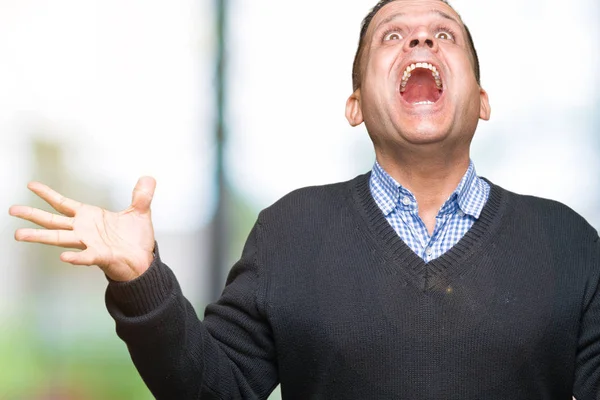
386,189
469,195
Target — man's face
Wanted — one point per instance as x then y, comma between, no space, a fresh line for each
418,84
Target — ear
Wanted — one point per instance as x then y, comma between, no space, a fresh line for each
353,110
484,110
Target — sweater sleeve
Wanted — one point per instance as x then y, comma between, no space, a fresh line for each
230,355
587,370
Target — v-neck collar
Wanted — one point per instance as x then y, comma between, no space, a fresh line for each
397,253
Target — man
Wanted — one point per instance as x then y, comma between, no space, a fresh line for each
418,280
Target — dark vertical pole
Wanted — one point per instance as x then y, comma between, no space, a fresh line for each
219,226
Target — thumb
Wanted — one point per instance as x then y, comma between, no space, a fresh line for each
143,193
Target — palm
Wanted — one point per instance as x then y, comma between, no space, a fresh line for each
113,235
121,243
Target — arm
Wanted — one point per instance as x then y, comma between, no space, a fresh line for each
587,370
229,356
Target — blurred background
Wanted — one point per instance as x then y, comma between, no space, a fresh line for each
231,105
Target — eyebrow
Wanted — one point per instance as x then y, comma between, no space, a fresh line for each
399,15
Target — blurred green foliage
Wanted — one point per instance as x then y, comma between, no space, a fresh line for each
86,369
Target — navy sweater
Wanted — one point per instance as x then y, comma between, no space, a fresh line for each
327,300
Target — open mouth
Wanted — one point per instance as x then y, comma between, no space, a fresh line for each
421,84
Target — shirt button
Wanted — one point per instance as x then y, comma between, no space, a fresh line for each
460,213
406,201
428,251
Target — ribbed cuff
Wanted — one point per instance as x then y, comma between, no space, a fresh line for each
145,293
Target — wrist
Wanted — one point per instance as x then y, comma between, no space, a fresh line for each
131,267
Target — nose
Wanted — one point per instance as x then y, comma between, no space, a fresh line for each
416,42
421,38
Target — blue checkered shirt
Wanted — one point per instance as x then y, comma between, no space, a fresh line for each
454,219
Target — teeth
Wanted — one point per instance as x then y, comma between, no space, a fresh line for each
407,74
426,102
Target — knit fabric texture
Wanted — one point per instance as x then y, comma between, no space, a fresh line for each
328,301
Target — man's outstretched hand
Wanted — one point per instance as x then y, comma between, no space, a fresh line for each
120,243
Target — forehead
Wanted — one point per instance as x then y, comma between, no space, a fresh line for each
413,9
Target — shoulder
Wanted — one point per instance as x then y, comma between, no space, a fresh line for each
312,201
551,215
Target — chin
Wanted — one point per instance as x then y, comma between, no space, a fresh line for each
424,139
425,132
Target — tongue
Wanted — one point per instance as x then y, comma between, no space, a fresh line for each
421,87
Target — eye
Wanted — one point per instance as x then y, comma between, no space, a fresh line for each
392,36
444,35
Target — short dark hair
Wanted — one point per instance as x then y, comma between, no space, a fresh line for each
356,68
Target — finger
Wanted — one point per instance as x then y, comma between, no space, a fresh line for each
85,257
143,194
59,238
42,218
59,202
